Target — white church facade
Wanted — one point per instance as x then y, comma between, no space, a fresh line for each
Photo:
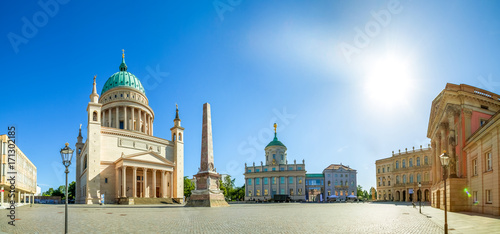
121,159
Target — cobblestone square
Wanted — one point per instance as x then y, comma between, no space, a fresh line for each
238,218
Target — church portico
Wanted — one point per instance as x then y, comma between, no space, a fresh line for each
140,179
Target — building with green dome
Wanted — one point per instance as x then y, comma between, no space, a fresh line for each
121,161
276,179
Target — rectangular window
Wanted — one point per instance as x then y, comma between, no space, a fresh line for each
265,169
274,180
474,197
257,181
282,191
474,167
298,168
249,182
488,161
383,170
257,170
378,170
274,169
266,192
282,168
121,124
105,180
282,180
265,181
291,180
4,148
488,196
482,122
290,168
249,170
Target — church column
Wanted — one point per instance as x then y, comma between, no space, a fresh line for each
171,185
139,122
163,184
146,183
103,118
145,121
133,119
109,117
134,181
117,119
443,143
117,182
154,183
125,118
151,126
24,198
124,181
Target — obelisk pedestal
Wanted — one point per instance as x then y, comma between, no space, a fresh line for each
207,192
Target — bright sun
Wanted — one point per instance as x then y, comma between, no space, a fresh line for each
388,82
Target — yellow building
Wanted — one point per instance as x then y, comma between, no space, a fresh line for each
25,174
398,176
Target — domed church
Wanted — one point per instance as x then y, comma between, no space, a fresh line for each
121,161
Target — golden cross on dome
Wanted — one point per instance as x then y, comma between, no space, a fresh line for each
123,53
95,77
275,125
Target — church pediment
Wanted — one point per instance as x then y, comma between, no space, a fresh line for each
149,157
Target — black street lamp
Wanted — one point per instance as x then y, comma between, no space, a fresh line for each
445,161
66,155
420,197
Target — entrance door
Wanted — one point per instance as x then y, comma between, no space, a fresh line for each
157,191
404,196
139,189
438,199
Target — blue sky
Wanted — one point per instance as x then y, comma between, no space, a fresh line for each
256,63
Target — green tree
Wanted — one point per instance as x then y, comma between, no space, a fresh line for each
188,186
72,190
227,186
360,191
48,192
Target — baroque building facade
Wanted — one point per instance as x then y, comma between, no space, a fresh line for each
398,176
276,177
464,123
340,181
121,159
25,177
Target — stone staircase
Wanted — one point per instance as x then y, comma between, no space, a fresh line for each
144,201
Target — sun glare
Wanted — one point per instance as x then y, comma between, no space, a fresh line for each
388,82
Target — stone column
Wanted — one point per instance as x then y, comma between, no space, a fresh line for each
151,126
146,182
1,196
125,118
117,182
133,119
124,181
18,196
139,122
109,117
117,119
104,118
134,180
162,184
171,184
444,143
24,198
154,183
145,122
468,116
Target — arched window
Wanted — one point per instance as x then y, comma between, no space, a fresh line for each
418,161
85,162
404,163
397,179
418,177
180,136
174,137
426,161
94,116
411,178
410,162
397,164
404,179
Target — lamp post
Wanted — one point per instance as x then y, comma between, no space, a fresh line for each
66,155
419,197
445,161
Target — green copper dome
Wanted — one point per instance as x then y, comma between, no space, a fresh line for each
275,142
123,78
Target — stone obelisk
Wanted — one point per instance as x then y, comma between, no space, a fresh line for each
207,192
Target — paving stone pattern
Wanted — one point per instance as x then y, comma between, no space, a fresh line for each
239,218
